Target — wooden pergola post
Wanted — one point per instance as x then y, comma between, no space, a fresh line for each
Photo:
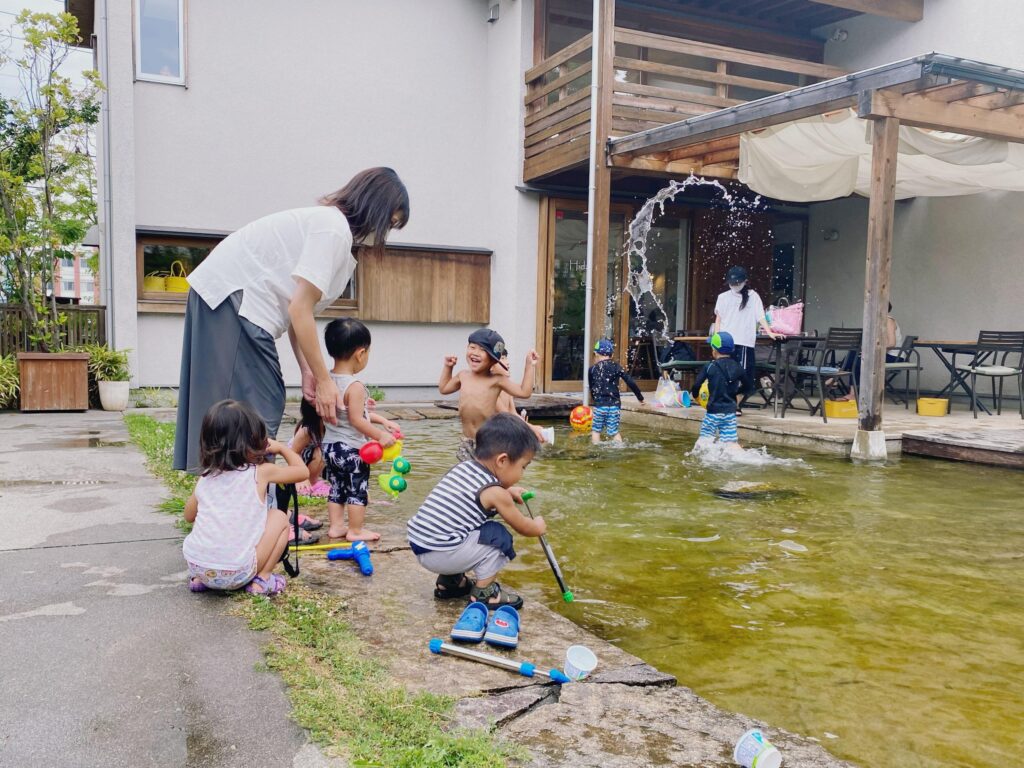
870,440
599,215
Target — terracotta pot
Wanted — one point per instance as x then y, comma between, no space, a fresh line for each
113,395
54,381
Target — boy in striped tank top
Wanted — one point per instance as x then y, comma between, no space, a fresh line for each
453,532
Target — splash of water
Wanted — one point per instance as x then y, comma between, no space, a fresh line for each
718,454
639,280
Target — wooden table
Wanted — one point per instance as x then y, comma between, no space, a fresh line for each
941,348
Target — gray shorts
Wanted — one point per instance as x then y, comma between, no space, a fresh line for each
470,555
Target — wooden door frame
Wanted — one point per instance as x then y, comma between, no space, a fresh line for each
546,283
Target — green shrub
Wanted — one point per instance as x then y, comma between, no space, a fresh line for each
376,393
9,381
106,364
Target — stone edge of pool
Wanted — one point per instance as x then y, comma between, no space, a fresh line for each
627,714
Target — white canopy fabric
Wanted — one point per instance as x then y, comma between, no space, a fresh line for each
829,156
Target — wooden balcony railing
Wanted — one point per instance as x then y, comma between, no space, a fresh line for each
658,79
84,324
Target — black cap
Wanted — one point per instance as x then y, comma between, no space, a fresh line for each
736,275
491,342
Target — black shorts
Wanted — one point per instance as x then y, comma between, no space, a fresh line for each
348,474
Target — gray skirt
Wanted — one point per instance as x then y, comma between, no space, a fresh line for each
223,356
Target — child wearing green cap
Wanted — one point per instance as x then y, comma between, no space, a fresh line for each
606,404
724,377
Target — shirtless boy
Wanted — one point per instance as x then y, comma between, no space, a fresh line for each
478,388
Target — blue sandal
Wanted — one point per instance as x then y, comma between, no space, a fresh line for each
471,624
503,628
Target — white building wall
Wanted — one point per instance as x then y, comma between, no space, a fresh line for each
282,106
958,263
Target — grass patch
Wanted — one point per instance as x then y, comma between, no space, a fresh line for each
345,698
156,440
348,701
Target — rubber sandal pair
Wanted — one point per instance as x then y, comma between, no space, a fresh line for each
195,585
306,523
455,585
487,594
502,629
321,488
268,587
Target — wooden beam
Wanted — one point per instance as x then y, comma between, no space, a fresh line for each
922,112
881,213
903,10
600,216
816,99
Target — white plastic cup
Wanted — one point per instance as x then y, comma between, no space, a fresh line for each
580,661
753,750
549,435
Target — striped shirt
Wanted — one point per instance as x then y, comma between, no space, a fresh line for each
452,510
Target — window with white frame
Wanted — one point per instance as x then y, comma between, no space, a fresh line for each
160,41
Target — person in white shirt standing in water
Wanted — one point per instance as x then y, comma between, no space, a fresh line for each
738,312
271,277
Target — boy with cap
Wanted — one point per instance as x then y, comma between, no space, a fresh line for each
478,387
724,377
604,378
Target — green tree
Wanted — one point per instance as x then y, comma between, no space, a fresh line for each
47,172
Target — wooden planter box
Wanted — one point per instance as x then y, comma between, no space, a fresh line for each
54,381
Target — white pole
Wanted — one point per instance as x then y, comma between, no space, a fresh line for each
595,64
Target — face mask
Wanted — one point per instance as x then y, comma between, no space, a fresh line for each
737,288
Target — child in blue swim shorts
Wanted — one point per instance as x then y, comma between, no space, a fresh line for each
606,406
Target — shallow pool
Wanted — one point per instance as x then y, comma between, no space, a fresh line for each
879,609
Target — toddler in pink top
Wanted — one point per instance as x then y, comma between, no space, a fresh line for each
235,540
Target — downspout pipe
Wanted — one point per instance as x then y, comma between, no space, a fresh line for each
107,242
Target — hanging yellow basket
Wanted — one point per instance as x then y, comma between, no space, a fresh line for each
176,282
154,281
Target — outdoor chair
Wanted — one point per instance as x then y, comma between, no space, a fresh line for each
643,358
909,360
676,363
818,363
994,356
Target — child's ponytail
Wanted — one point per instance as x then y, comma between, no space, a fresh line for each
746,296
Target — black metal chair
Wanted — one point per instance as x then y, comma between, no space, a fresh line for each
987,362
822,364
909,360
676,367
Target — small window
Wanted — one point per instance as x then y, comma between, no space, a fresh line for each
67,261
160,41
161,258
67,287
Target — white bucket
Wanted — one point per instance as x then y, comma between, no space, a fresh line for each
580,661
753,750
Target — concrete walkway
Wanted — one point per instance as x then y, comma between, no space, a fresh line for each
107,659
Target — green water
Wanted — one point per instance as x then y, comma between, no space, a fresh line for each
889,625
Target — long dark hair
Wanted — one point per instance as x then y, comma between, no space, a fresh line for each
369,201
745,293
310,419
232,437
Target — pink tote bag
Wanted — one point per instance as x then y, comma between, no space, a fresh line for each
787,320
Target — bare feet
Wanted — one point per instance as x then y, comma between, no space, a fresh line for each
341,534
363,534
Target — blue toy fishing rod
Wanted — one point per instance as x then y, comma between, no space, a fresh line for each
566,594
524,668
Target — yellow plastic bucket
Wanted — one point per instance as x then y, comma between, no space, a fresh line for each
841,409
932,406
176,282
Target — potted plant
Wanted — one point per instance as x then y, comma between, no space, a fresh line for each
109,369
9,382
47,202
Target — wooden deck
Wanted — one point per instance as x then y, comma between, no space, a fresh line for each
996,440
999,447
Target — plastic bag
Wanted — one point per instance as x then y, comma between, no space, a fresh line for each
667,393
